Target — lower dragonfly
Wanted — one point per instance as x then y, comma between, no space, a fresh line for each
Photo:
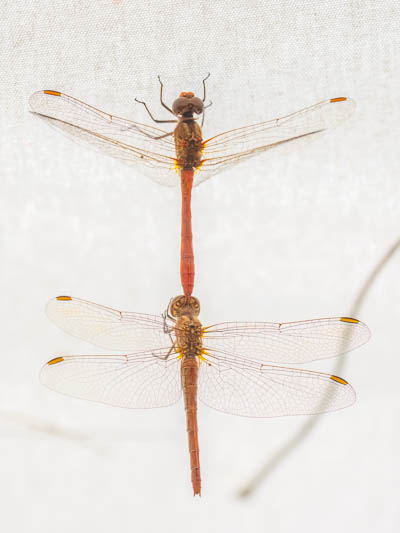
155,154
226,365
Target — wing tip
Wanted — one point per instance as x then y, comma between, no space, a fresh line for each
53,306
50,92
339,380
36,94
349,320
362,327
343,99
54,361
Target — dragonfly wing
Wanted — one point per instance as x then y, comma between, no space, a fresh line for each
109,328
134,144
291,131
140,380
291,342
241,387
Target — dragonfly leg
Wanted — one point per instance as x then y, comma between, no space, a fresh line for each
168,330
161,100
158,136
147,134
204,86
204,108
151,116
204,98
165,357
166,315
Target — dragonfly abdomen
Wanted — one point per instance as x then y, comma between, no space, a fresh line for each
189,374
188,148
187,256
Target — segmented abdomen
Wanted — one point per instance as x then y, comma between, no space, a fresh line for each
189,373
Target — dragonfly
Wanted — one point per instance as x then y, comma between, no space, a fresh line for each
229,366
182,155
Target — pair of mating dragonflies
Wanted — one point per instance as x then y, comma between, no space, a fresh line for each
229,366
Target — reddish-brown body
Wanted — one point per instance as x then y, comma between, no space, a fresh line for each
189,371
187,256
189,332
188,147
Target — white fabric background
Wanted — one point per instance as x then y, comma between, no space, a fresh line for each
277,239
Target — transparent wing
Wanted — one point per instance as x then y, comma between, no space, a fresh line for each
109,328
281,134
153,153
246,388
141,380
130,142
293,342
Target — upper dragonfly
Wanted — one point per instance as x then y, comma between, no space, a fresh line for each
157,155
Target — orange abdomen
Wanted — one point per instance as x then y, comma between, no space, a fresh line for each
189,372
187,256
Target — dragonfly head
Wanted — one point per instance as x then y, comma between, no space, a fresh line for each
184,305
186,104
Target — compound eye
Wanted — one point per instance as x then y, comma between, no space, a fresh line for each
197,104
195,304
185,104
180,305
179,105
176,305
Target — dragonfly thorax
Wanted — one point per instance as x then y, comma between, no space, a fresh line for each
187,104
188,330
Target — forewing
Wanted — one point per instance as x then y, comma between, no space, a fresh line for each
132,143
140,380
291,342
107,327
281,134
241,387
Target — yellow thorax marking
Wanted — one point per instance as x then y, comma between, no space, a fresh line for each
201,358
204,330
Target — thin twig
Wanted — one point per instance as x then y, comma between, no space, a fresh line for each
310,424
